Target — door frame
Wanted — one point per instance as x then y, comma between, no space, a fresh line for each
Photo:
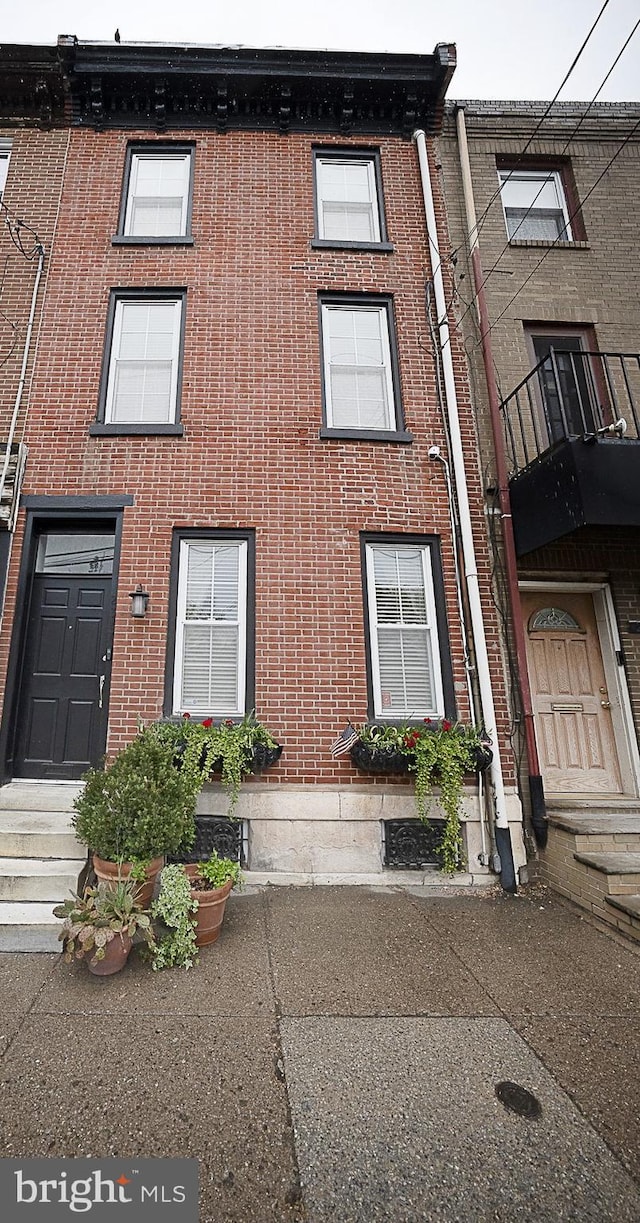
615,676
55,511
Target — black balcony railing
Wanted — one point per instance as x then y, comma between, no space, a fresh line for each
570,394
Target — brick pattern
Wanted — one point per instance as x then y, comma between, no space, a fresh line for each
586,886
251,456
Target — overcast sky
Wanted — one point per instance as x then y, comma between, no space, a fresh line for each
506,48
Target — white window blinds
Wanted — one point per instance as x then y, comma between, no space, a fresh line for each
534,205
359,389
143,370
405,659
158,195
210,664
347,199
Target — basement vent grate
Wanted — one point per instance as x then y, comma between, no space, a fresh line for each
227,837
412,844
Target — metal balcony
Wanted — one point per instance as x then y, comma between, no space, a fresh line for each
571,431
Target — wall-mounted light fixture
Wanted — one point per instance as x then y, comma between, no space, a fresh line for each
139,600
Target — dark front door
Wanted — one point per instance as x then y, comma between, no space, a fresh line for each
62,719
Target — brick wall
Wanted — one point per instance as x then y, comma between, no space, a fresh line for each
251,456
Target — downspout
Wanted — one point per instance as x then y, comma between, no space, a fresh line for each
536,790
23,371
502,832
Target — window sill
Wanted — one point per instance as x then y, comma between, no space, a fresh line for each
381,248
147,430
367,435
549,243
140,240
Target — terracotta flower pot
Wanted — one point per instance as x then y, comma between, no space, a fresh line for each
210,912
110,872
116,954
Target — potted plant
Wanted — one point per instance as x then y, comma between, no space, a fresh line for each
435,751
211,882
136,810
101,926
190,904
231,749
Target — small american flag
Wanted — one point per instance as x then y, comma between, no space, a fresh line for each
344,741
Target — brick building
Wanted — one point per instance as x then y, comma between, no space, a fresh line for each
233,398
554,194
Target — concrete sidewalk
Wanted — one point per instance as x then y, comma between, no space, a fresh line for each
334,1058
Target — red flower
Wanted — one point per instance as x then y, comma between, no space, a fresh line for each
427,720
186,715
446,724
229,722
207,723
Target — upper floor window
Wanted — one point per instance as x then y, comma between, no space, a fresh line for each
361,391
348,193
535,205
143,356
5,154
405,642
156,204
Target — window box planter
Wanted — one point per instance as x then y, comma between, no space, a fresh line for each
388,760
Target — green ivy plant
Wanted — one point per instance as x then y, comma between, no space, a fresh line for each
92,921
203,748
176,945
214,872
441,751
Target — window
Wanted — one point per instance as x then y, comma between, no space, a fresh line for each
572,391
156,205
210,665
405,627
5,154
361,395
535,205
141,373
349,199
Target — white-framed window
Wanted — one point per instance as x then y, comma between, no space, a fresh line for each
535,205
406,670
211,628
5,154
359,383
347,198
157,203
144,360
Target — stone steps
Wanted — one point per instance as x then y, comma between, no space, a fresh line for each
593,858
40,861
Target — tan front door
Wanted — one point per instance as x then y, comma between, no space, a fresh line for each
570,699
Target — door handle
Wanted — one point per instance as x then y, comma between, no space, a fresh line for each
606,704
102,679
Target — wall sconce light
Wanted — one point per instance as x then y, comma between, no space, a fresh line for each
139,600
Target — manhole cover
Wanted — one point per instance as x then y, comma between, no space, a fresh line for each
518,1100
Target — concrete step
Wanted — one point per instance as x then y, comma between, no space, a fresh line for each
38,834
28,927
38,796
621,870
623,825
43,880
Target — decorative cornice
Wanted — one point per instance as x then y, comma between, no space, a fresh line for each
170,88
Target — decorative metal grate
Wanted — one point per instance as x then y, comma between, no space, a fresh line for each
412,845
219,833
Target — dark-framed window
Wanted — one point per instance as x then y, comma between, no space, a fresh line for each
157,195
360,374
142,365
211,640
349,205
408,655
5,157
540,200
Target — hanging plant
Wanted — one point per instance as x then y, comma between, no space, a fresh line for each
435,751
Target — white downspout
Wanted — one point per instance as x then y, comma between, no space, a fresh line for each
23,371
457,459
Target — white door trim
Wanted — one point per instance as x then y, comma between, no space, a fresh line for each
621,711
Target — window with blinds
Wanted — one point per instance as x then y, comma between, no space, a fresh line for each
211,628
347,198
405,655
535,206
142,383
358,374
157,202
